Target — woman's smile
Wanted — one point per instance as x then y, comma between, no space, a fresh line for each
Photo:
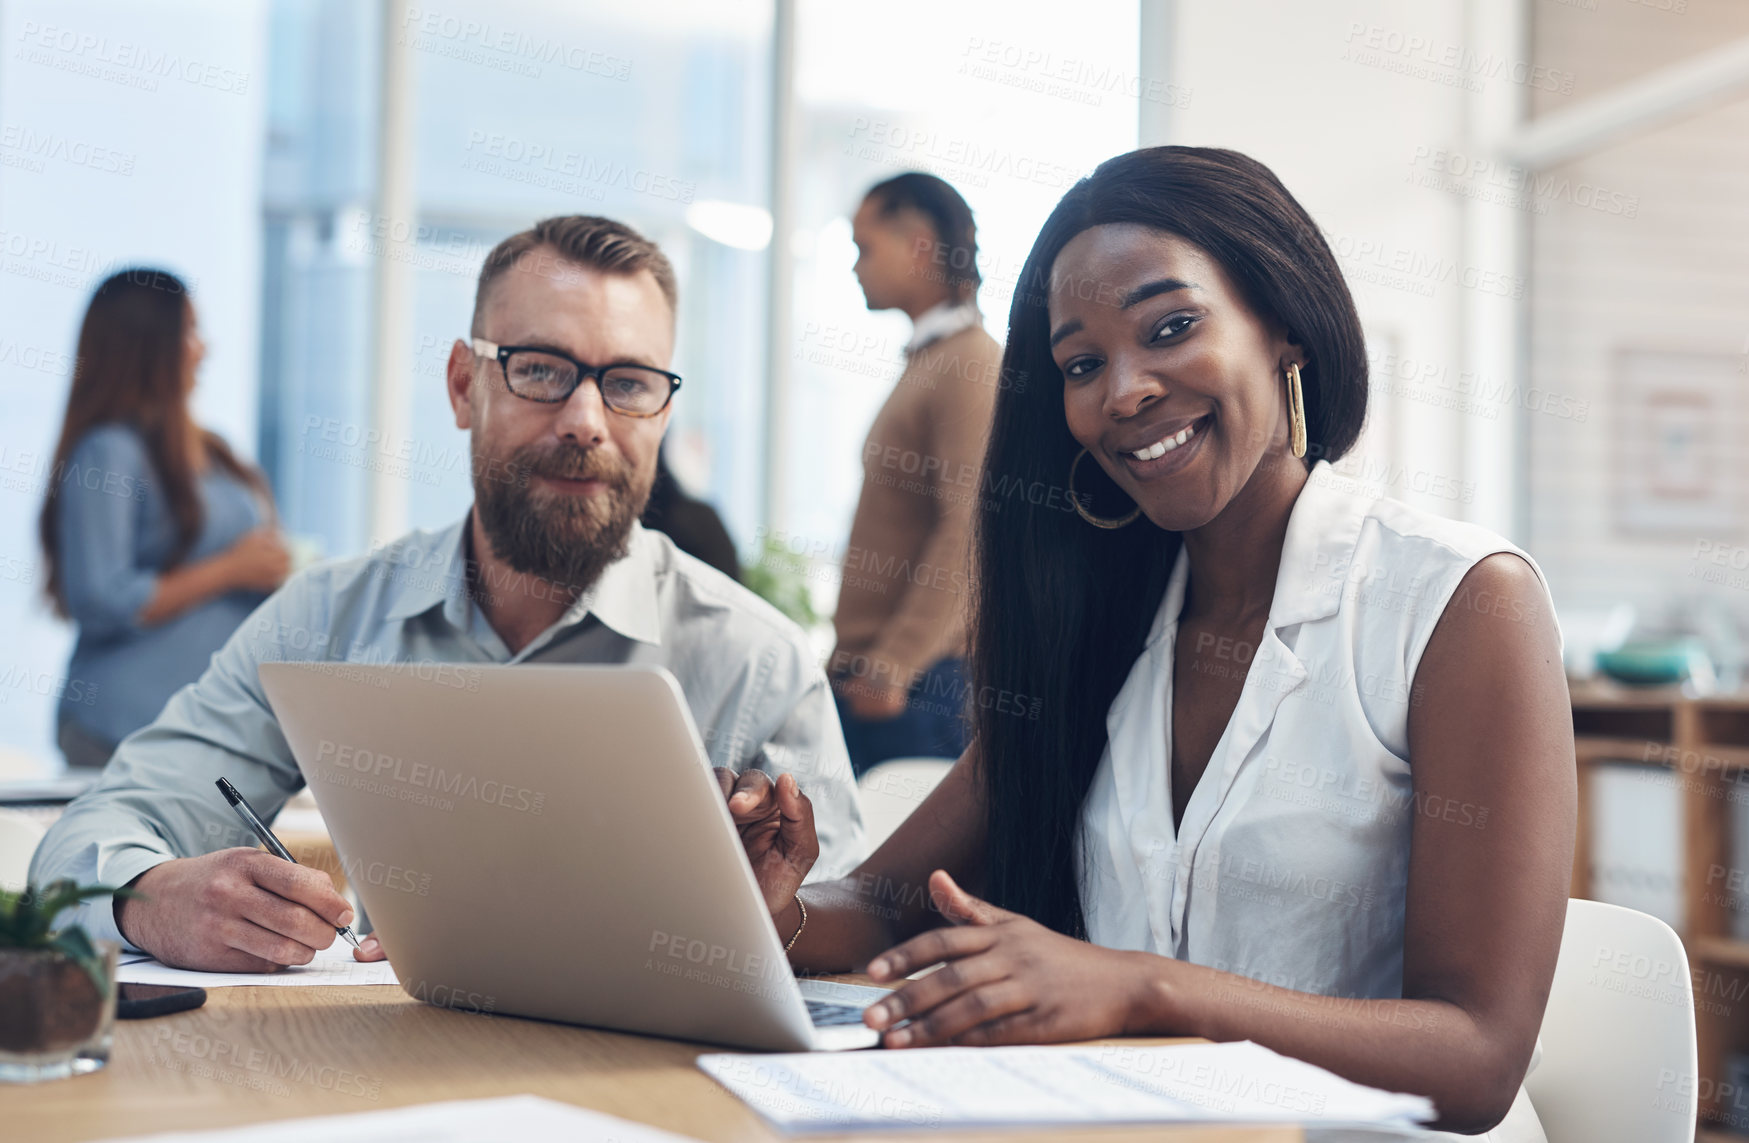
1170,453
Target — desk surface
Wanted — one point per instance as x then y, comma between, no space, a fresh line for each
254,1054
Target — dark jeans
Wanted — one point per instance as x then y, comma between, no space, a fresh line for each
932,725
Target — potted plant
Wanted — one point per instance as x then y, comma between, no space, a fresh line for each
780,577
57,987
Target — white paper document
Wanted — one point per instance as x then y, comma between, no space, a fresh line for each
333,965
461,1121
1011,1087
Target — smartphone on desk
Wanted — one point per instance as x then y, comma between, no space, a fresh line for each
142,1001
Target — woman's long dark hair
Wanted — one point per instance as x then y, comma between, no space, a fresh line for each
1062,608
129,369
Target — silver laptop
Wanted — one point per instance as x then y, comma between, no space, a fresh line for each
549,841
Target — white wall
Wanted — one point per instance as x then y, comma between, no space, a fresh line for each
1352,106
128,134
1674,277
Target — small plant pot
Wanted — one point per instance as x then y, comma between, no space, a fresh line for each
55,1021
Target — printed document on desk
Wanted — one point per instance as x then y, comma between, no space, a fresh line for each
1013,1087
458,1121
333,965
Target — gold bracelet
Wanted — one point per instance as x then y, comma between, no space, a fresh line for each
800,927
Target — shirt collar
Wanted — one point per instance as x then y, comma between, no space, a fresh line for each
425,570
944,319
624,598
430,570
1322,531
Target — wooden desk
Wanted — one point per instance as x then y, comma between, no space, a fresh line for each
255,1054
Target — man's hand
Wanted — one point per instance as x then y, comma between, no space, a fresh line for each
776,822
237,910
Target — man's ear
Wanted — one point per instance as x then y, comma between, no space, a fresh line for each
459,380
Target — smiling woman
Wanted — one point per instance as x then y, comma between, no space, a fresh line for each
1289,779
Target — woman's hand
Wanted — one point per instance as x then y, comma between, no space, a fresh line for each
1007,980
259,561
776,822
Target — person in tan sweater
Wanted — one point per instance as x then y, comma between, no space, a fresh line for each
897,669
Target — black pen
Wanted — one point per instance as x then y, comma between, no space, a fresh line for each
247,813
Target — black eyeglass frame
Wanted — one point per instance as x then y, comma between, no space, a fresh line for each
501,354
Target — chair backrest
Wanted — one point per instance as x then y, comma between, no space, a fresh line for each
19,836
1618,1048
891,790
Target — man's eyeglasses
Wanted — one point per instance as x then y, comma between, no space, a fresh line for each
535,373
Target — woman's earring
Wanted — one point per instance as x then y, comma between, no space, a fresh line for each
1107,522
1296,411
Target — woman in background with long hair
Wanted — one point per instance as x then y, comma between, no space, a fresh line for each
157,539
1258,755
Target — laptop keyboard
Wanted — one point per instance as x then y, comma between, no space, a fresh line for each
826,1015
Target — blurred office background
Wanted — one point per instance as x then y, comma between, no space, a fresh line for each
1542,206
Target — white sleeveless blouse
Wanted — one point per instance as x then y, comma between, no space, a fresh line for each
1293,860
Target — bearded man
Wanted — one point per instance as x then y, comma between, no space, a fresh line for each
564,389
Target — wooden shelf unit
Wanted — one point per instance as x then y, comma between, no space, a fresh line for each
1705,743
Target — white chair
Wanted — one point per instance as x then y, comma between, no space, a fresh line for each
1618,1048
19,836
891,790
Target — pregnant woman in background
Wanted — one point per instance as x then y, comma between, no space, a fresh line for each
1291,762
157,539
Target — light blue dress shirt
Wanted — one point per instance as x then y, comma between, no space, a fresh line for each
756,692
116,538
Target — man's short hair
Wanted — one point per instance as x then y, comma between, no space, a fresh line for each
582,240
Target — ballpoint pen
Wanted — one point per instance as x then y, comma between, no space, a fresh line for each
247,813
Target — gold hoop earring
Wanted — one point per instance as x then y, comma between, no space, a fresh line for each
1107,522
1296,411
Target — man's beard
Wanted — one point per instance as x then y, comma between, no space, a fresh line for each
567,540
